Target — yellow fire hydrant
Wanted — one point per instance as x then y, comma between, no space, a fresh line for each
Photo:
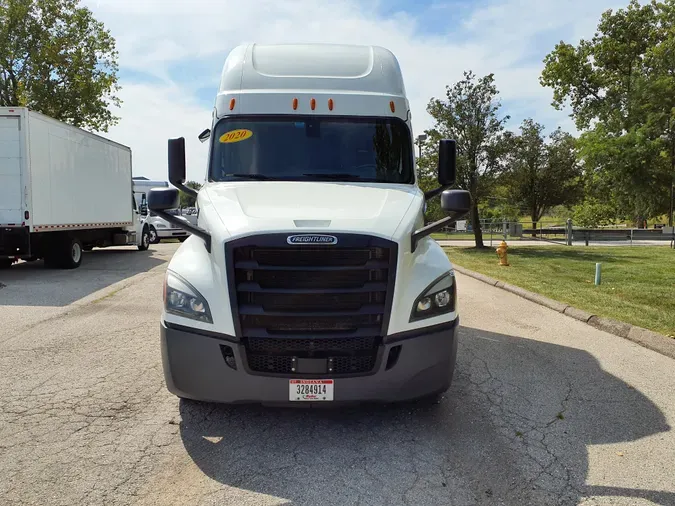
501,253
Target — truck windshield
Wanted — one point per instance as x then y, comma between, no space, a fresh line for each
313,148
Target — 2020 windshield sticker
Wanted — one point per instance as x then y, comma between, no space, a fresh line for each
238,135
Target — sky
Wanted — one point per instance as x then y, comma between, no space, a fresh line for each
171,54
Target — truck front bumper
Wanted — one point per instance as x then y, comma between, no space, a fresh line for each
168,233
195,367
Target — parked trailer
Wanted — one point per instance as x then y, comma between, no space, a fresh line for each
62,190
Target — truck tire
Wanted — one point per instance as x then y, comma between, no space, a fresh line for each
154,238
65,254
145,240
72,253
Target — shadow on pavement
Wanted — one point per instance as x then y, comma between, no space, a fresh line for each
32,284
514,428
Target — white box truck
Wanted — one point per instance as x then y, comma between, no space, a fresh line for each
62,190
310,276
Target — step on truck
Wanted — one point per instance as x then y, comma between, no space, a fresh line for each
63,191
310,276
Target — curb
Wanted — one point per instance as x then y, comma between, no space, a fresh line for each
645,338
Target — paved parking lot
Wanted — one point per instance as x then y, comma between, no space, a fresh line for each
543,410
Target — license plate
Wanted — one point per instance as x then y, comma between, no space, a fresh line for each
310,390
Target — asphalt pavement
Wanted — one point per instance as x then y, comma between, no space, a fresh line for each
543,410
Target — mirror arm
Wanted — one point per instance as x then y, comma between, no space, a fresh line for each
199,232
432,193
433,227
186,189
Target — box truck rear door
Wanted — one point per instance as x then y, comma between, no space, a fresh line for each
10,171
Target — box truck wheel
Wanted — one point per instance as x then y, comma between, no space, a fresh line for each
66,253
73,257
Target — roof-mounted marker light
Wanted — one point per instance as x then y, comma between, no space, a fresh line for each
232,102
295,104
392,106
330,104
312,103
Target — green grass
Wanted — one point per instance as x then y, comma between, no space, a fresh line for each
455,236
638,283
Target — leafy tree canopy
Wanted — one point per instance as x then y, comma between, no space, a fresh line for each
57,59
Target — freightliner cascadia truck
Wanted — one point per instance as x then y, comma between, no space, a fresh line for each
310,276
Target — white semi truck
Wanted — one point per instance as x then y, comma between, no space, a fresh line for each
63,190
310,276
158,227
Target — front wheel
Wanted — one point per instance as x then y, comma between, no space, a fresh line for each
145,240
154,238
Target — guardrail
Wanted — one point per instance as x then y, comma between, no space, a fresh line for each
569,234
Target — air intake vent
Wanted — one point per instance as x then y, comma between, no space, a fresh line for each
292,302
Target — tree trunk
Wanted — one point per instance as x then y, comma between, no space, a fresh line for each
535,218
475,224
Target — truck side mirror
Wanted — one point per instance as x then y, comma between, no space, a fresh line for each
447,162
176,162
204,136
161,199
456,201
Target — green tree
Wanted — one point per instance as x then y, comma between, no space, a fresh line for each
470,115
188,200
593,213
620,88
57,59
427,177
542,174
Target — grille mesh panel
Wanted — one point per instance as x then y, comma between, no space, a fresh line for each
315,295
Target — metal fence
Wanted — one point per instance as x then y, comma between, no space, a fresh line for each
556,233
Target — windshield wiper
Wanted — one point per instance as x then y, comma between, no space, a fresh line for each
260,177
336,176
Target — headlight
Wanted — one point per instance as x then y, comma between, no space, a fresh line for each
439,298
182,299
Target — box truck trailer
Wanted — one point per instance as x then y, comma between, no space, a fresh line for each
310,276
63,190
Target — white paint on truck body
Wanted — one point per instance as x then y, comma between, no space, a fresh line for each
67,177
361,81
11,159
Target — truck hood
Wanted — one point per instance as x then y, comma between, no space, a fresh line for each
261,206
